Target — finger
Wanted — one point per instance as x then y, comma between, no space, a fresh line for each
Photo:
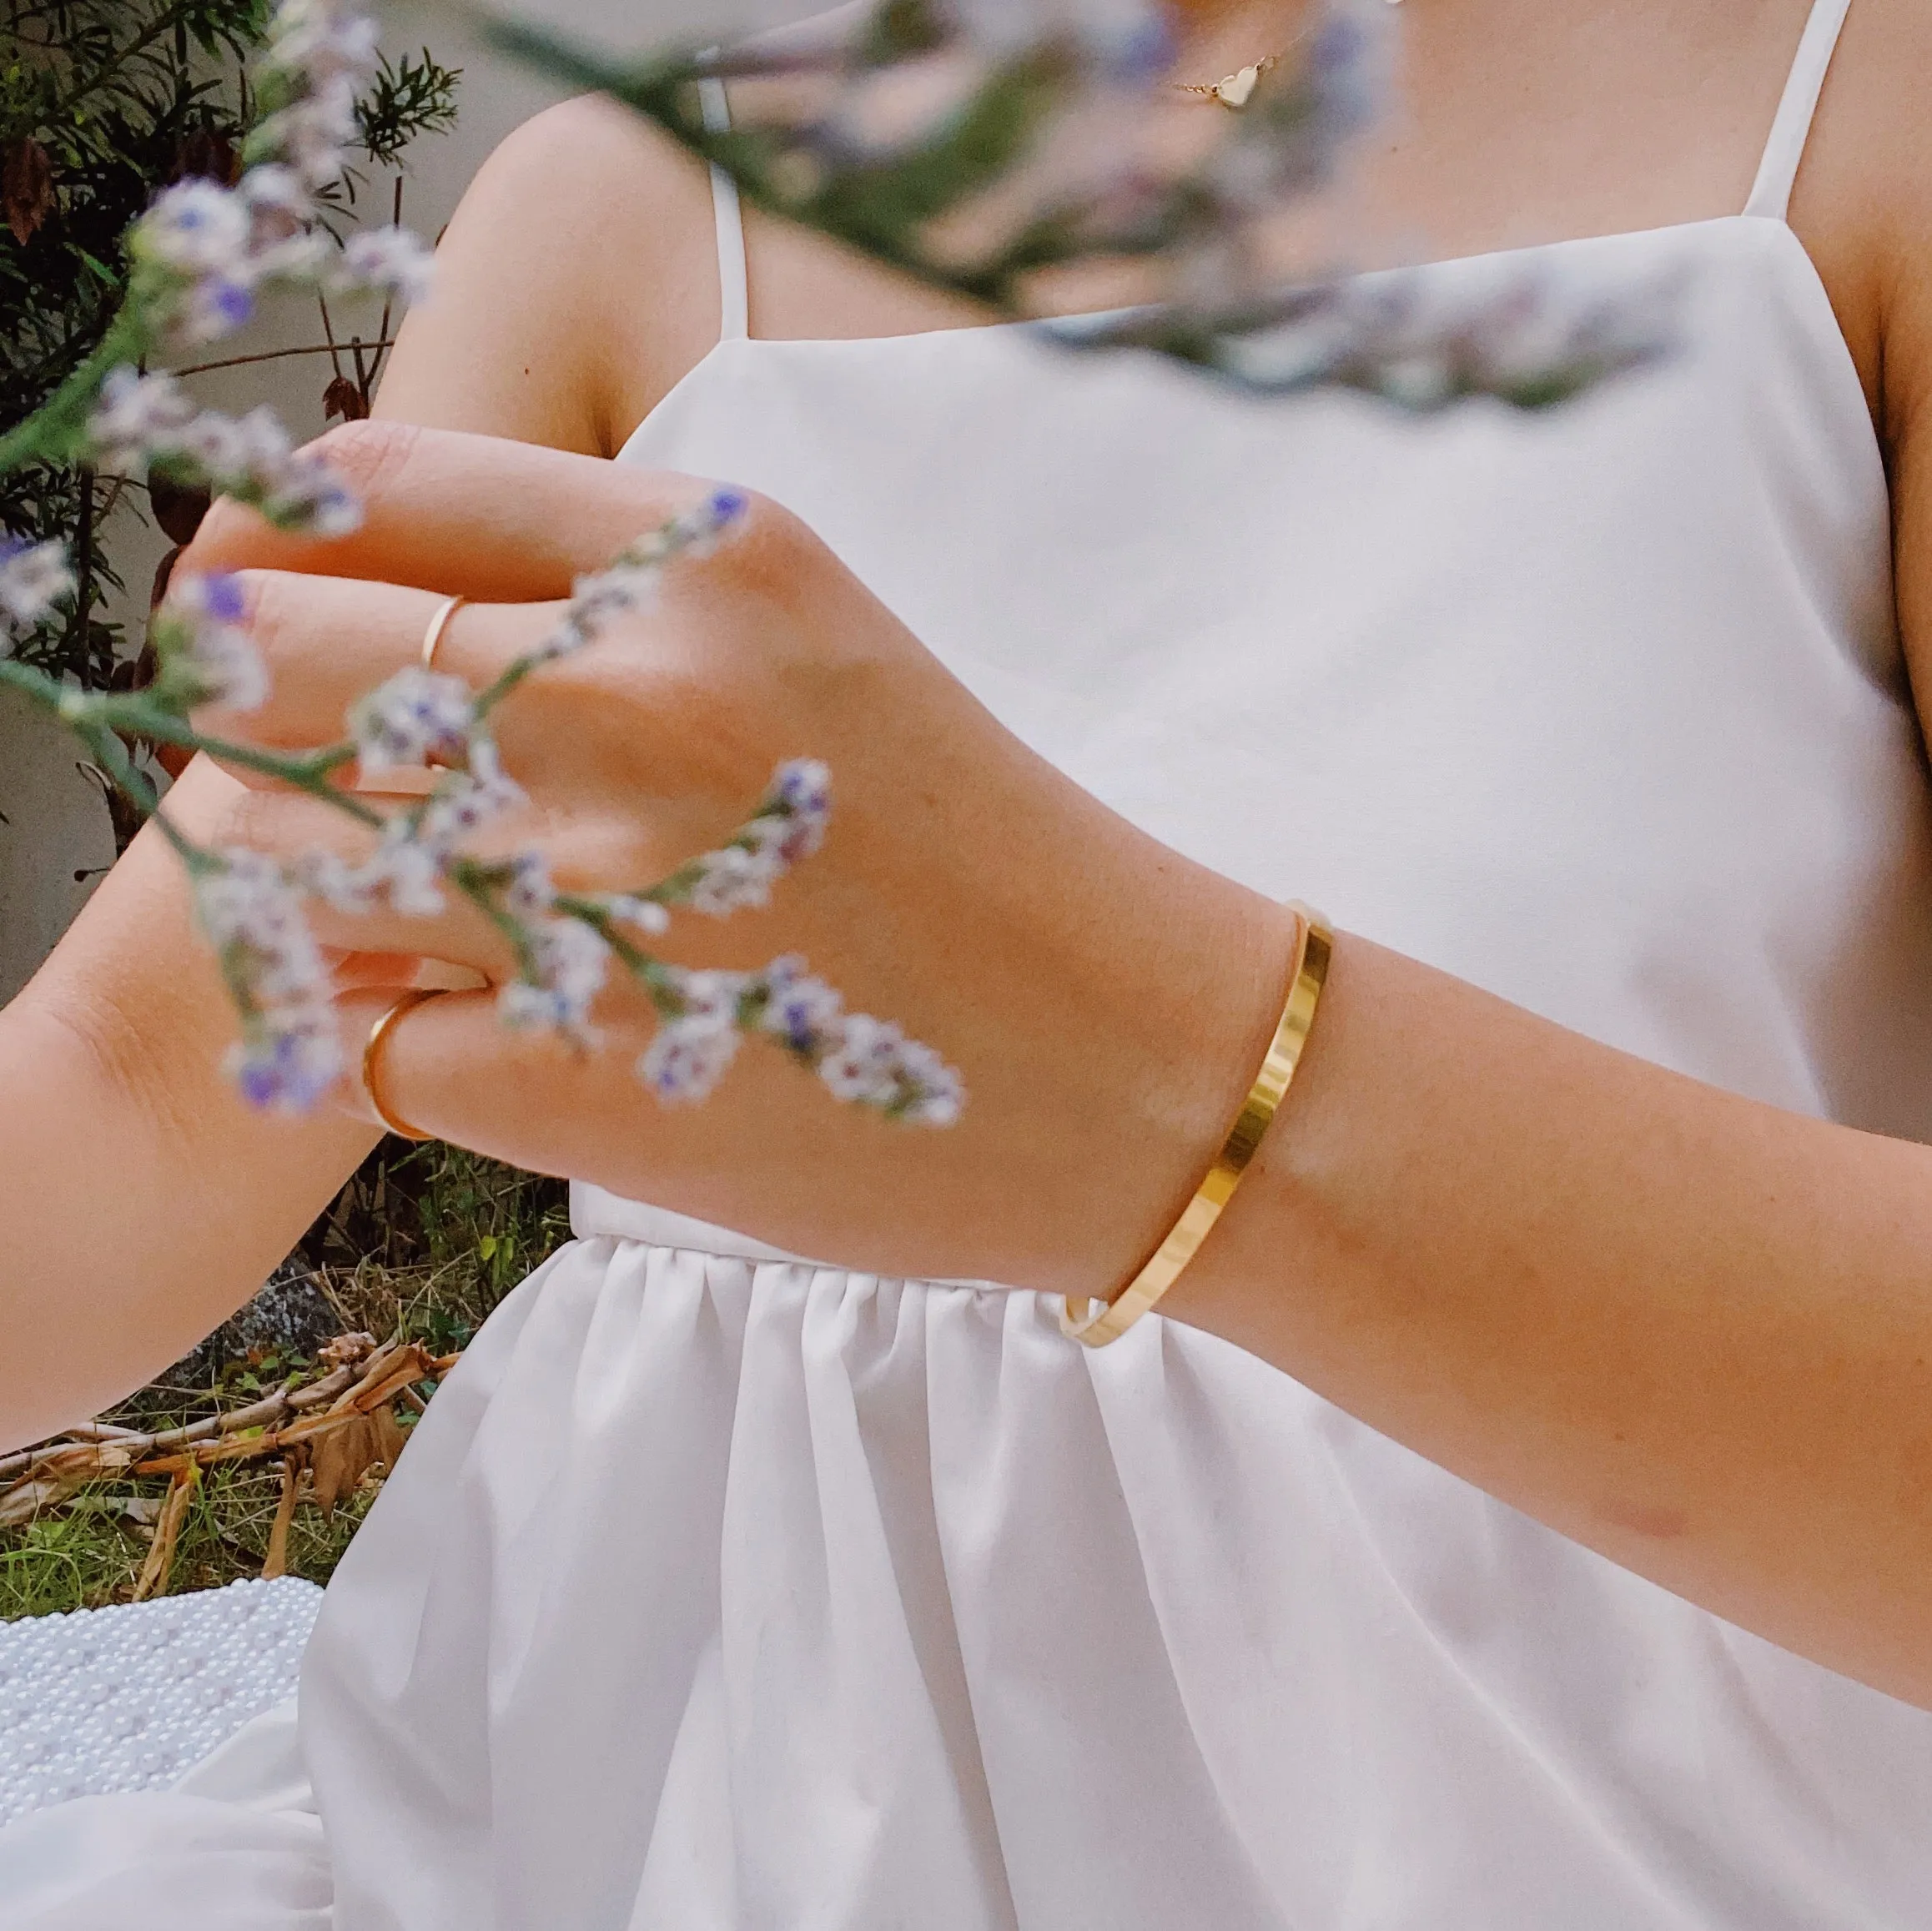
327,641
292,826
443,1066
503,522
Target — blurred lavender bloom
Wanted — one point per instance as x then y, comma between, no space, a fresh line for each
1529,343
33,577
410,719
629,583
789,825
692,1049
389,260
289,1053
150,422
205,652
875,1064
565,967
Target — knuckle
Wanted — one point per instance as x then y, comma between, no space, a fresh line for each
773,552
368,456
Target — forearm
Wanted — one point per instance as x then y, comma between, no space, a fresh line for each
142,1200
1691,1331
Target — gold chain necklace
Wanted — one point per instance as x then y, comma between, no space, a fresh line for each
1232,90
1237,89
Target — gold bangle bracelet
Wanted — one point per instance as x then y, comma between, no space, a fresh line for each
1115,1317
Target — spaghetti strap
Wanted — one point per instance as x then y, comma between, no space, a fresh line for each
734,292
1771,192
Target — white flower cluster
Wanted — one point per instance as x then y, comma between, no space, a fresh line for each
319,51
689,1053
789,825
417,716
203,250
201,640
414,857
567,965
630,583
289,1053
33,577
860,1060
150,422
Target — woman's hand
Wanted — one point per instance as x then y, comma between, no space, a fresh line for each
1106,1000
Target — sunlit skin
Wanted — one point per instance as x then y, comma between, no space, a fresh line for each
1729,1390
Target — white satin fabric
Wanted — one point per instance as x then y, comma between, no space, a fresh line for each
721,1589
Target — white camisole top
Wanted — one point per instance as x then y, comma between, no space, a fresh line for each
1603,710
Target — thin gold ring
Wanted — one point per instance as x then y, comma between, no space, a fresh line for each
438,622
372,1060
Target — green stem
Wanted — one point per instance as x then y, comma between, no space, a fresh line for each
92,715
479,884
650,973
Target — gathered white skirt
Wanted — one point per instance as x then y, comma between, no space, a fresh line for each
721,1592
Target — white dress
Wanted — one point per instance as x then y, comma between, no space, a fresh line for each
720,1591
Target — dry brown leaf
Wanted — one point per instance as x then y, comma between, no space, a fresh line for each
346,1452
158,1569
26,187
278,1559
177,508
212,156
344,399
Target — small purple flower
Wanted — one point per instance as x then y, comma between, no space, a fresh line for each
530,894
196,228
687,1058
693,1048
287,1067
727,506
802,1013
202,640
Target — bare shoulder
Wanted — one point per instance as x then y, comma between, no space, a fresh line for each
1864,200
1863,207
575,282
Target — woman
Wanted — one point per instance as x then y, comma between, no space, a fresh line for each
725,1588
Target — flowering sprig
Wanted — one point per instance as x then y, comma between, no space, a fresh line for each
201,255
995,150
565,946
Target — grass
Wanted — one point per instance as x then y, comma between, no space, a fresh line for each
420,1245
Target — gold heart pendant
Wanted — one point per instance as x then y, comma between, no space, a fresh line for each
1236,89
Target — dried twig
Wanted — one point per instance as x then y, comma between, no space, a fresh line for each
278,1557
343,1421
158,1569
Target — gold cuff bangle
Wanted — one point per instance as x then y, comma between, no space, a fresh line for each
1115,1317
372,1060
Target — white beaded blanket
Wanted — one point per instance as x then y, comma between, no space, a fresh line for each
130,1697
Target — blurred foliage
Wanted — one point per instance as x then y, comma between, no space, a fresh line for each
102,103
